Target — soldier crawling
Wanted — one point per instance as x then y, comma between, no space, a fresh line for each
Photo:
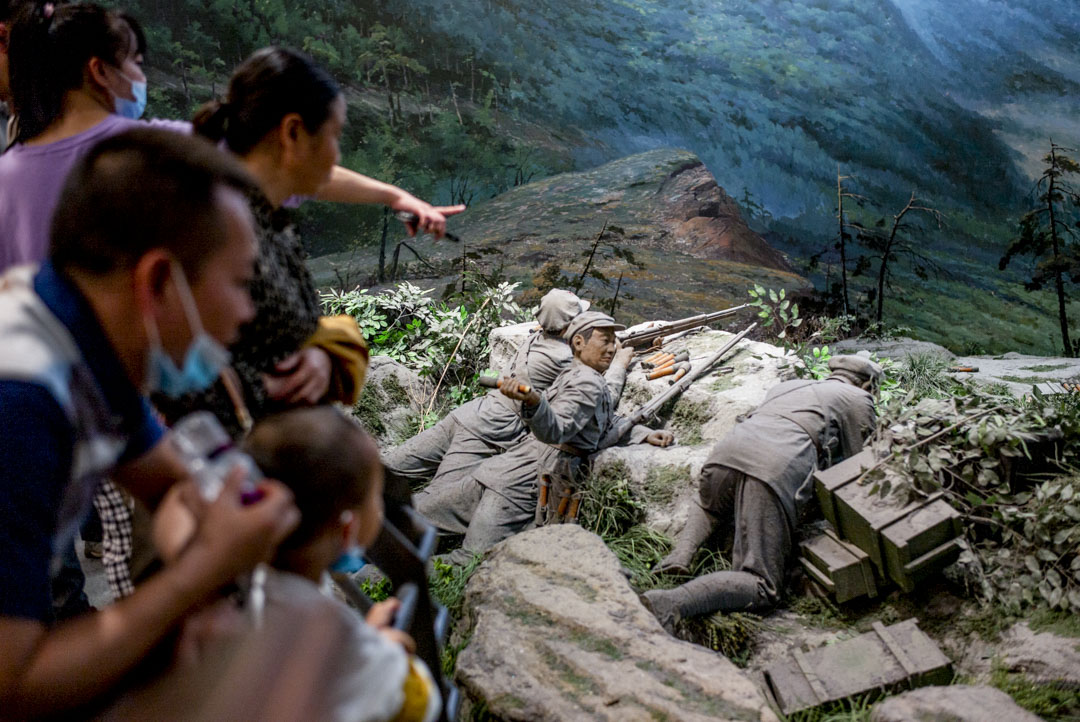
758,478
574,419
448,452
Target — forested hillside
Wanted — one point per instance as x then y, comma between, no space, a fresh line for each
459,101
423,113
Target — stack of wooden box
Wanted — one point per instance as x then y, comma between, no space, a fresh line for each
877,541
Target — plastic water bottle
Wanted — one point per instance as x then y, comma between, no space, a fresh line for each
209,455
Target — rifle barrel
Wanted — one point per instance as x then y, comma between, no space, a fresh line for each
648,334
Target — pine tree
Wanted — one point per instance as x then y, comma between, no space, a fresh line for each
1048,232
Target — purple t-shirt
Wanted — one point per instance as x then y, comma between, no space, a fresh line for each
31,178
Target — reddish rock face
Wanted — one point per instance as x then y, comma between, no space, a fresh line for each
665,200
705,222
692,251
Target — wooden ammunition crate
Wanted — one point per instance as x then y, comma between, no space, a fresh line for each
842,569
899,656
827,481
905,543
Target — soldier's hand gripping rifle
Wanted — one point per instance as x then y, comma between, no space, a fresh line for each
646,337
650,409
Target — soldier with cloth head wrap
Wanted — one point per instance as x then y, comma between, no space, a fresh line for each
758,478
489,425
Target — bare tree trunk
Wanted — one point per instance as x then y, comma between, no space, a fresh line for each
389,95
393,267
382,245
588,263
453,97
1059,282
843,245
883,271
615,298
463,262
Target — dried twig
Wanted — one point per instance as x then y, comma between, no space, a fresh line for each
435,393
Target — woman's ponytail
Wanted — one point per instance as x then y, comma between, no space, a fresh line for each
270,84
212,120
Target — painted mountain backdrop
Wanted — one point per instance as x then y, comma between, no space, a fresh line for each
956,100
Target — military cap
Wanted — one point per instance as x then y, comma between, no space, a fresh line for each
857,365
558,308
591,319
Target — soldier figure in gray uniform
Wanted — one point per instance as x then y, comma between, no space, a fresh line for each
759,478
574,419
490,424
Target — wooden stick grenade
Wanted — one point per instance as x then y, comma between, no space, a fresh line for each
680,371
659,361
661,373
681,357
493,382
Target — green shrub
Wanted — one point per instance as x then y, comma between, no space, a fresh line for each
406,324
1023,532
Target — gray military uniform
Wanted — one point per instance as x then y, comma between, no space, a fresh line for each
759,479
481,428
779,442
499,498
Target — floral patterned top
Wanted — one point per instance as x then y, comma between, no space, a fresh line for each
287,312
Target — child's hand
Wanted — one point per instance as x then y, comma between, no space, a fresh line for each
381,614
381,617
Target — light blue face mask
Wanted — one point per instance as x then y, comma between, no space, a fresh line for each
133,109
351,560
203,359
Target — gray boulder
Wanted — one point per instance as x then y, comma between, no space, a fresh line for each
896,349
1043,657
557,634
956,703
390,402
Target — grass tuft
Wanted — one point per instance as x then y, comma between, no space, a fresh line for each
1051,702
925,375
856,709
732,635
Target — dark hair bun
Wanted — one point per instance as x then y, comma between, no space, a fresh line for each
211,120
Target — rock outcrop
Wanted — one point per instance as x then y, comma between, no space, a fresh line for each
558,634
390,400
664,206
1042,656
955,703
663,198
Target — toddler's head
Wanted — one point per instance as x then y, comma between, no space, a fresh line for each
332,467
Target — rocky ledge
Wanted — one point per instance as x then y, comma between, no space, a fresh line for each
558,634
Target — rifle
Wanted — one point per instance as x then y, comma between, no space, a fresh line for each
652,408
644,338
